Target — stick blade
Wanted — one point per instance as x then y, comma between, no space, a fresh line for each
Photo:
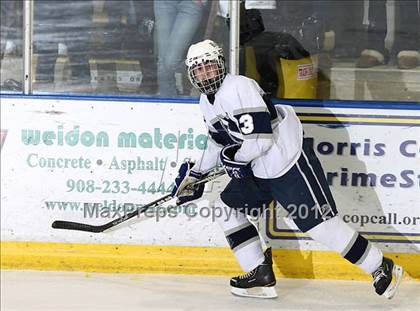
70,225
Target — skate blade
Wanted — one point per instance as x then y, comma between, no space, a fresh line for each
397,273
255,292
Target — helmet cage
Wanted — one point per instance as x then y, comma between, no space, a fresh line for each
210,79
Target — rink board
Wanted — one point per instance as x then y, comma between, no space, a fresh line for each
183,260
60,155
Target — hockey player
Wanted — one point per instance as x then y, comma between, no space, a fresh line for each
263,150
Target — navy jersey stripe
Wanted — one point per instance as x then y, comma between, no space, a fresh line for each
232,126
254,123
221,137
218,138
271,108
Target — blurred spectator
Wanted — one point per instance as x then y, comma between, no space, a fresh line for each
303,20
277,40
374,52
129,24
11,27
141,21
62,27
142,18
219,31
344,25
176,24
128,35
407,35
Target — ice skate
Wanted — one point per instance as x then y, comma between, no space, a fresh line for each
258,283
387,278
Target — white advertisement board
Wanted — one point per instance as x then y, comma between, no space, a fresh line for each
59,156
371,159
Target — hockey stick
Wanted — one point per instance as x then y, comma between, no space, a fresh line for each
70,225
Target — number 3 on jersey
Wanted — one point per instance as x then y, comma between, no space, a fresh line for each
247,124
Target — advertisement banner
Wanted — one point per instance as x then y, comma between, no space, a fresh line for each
60,156
372,164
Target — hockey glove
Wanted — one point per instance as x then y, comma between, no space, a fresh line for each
185,177
234,169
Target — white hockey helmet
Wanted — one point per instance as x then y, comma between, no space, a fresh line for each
210,77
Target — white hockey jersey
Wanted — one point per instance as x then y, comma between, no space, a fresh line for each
270,136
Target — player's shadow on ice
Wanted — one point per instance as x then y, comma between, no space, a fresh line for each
351,200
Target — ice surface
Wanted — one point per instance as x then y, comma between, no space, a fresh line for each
39,290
